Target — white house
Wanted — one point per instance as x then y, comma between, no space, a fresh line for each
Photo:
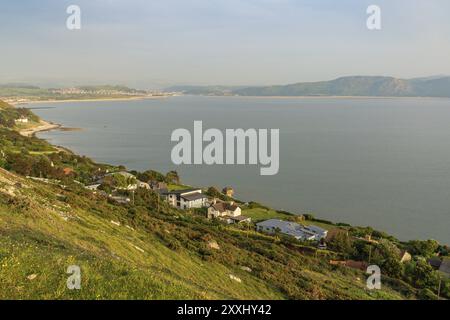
228,212
300,232
92,187
21,120
186,199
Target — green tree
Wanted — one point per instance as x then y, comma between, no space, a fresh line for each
423,248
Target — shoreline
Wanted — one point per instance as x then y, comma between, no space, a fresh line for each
316,97
43,127
21,103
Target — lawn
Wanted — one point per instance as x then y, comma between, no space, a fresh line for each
260,214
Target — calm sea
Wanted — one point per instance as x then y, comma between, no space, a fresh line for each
378,162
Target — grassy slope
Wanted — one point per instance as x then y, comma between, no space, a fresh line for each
36,239
41,242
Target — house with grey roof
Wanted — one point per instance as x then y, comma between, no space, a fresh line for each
186,199
226,211
299,232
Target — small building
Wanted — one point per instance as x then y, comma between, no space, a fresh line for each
222,209
143,185
405,256
21,120
186,199
228,191
435,262
228,212
93,187
67,171
159,187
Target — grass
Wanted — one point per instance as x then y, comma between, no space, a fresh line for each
260,214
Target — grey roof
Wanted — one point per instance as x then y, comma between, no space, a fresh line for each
293,229
316,229
193,197
184,191
286,227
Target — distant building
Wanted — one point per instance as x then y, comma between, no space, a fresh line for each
228,212
67,171
292,229
435,262
405,256
21,120
186,199
160,187
228,191
143,185
92,187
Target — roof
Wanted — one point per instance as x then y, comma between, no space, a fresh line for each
316,229
293,229
222,206
193,197
274,223
286,227
445,267
435,262
181,192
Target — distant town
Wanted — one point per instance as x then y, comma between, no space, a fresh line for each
21,94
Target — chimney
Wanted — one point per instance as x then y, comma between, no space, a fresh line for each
214,201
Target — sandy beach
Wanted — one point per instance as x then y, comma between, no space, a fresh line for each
43,126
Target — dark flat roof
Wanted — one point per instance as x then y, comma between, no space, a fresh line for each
184,191
195,196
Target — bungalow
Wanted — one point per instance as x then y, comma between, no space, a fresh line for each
228,191
286,227
228,212
186,199
300,232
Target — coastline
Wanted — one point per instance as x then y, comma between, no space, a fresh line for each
21,103
44,126
319,97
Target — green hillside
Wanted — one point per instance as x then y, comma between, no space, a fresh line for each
148,250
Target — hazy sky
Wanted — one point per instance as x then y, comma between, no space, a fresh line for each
148,43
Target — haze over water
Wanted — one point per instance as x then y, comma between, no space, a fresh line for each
378,162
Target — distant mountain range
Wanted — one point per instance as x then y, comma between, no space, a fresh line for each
373,86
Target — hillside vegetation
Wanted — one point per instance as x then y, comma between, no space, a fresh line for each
148,250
